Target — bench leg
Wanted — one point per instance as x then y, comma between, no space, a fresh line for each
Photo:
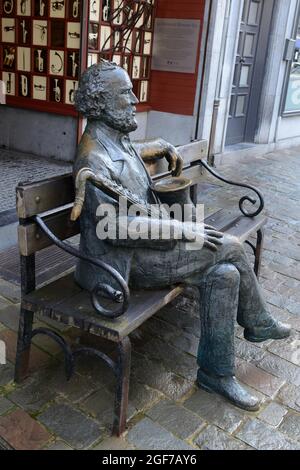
123,374
23,345
258,251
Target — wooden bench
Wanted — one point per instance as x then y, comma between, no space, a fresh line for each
49,203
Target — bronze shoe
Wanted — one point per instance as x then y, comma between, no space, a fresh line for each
230,388
276,330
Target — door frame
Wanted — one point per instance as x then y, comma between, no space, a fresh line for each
259,70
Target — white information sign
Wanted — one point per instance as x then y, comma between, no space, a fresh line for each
175,45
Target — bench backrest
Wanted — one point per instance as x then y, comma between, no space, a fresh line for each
54,197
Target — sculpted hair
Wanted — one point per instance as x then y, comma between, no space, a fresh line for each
92,85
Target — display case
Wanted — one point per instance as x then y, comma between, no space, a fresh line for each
40,52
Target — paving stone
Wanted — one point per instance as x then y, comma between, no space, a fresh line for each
288,349
114,443
6,373
94,369
154,374
213,438
213,409
141,396
71,425
58,445
32,396
281,368
10,291
289,395
248,351
258,378
22,432
9,316
75,390
147,435
291,425
176,419
101,406
273,414
263,437
38,358
173,360
5,405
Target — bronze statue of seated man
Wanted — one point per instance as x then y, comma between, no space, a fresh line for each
229,290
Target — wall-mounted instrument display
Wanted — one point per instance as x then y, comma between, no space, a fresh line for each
40,52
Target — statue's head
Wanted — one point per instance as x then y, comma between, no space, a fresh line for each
105,93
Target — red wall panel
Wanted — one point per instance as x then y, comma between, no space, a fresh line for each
175,92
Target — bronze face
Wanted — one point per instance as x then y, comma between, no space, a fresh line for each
119,102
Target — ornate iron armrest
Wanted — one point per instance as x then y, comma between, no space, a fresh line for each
122,296
244,211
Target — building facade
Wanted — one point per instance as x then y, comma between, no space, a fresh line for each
227,71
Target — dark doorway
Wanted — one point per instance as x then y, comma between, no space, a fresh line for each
249,70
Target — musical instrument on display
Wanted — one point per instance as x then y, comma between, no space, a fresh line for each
75,8
8,6
24,85
42,7
72,92
57,91
58,5
39,61
8,84
57,68
43,30
25,32
23,6
74,64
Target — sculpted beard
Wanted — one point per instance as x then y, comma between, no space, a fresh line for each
122,121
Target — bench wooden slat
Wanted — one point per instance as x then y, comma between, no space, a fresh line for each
75,308
41,196
32,239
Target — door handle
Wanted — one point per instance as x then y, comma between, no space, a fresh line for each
242,60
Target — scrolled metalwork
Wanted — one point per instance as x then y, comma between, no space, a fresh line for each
243,199
121,296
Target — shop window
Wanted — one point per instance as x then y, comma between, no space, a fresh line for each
292,97
123,32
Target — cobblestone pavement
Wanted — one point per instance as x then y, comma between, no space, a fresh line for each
16,167
167,411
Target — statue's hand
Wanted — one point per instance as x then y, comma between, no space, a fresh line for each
212,238
203,235
174,159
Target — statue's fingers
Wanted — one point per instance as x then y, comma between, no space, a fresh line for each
210,245
209,227
214,233
214,240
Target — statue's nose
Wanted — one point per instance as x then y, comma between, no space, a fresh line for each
134,99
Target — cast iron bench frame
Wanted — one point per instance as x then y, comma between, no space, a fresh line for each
44,219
